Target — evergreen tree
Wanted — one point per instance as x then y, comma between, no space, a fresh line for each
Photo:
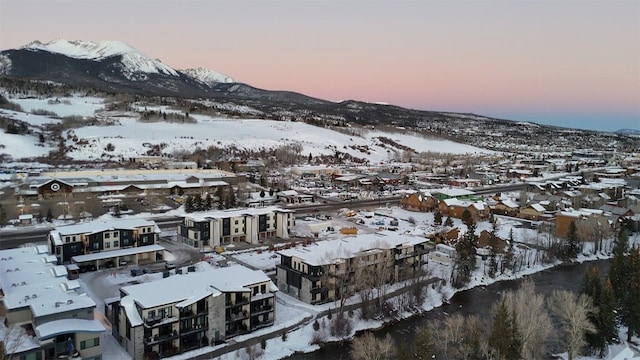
404,352
604,320
507,261
572,247
591,284
437,217
424,347
207,202
629,306
188,204
3,217
504,337
197,203
619,266
465,262
493,250
262,193
271,192
466,217
448,222
49,215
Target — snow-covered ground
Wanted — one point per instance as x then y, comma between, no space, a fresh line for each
129,136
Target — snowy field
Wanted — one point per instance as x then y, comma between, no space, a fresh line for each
129,136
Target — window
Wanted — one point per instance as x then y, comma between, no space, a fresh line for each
235,230
67,239
95,246
107,245
107,235
236,222
115,234
89,343
115,244
74,248
263,288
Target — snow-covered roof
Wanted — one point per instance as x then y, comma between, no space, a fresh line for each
114,253
100,226
28,280
231,213
328,251
510,204
538,207
452,192
63,326
193,286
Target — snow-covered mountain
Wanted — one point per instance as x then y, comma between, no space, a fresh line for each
207,76
133,60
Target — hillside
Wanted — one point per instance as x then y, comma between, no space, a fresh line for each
113,135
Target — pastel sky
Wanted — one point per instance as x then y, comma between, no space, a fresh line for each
569,63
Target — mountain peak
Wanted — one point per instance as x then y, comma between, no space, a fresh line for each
84,49
207,76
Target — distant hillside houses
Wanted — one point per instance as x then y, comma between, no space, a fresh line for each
252,225
190,310
45,314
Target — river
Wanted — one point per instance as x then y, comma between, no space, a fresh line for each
476,301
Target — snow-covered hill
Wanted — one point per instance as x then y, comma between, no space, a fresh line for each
130,137
207,76
134,61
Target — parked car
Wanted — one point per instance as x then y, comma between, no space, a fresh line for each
169,265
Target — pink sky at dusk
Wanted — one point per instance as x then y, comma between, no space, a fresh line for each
567,63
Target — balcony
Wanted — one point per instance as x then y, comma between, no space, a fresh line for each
186,314
193,329
238,316
156,339
159,320
239,302
256,310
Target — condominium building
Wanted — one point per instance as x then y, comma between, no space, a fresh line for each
46,316
252,225
106,243
187,311
309,273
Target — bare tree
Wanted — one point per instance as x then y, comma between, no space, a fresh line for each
448,333
573,312
369,347
11,340
339,276
532,319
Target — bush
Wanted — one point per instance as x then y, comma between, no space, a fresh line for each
316,325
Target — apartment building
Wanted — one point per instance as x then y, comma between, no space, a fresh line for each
46,316
106,243
252,225
309,273
186,311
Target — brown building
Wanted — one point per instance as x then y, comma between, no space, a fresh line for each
418,201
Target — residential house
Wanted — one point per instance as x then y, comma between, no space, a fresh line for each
311,273
532,212
564,219
418,201
45,313
187,311
455,208
252,225
505,207
106,243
